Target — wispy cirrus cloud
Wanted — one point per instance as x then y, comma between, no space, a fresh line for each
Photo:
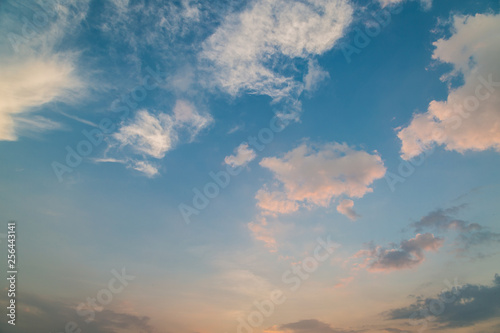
35,69
153,134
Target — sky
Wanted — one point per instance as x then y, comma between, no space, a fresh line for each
268,166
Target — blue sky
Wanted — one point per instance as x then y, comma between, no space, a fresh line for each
368,126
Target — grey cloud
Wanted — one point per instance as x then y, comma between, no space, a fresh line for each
470,234
409,254
462,307
312,326
39,314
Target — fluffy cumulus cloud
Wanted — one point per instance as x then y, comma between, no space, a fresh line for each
243,155
152,135
251,51
312,175
34,70
469,120
408,254
462,306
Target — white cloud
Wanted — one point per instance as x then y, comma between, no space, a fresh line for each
241,53
26,85
149,134
146,168
316,175
346,207
188,119
315,74
470,117
243,156
154,134
33,74
426,4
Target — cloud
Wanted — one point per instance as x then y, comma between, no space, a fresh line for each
242,157
469,234
313,175
152,135
307,326
345,207
35,71
344,282
426,4
275,202
261,232
315,74
252,51
470,117
146,168
408,254
41,314
443,220
148,134
464,306
25,85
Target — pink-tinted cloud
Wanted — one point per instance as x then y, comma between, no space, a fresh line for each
315,175
263,233
469,119
275,202
344,282
346,207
